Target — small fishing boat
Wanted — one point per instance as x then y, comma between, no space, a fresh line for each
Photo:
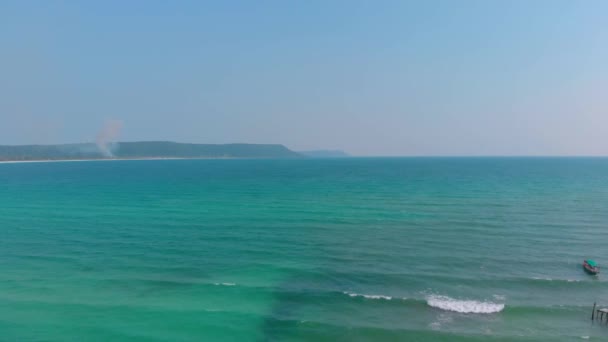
591,266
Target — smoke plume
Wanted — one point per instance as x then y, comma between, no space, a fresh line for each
107,137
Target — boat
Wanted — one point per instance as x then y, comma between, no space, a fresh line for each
591,267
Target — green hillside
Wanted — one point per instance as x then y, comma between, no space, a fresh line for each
144,149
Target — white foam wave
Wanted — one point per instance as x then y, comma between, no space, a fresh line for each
551,279
224,284
463,306
352,294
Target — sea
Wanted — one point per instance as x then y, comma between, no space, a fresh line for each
350,249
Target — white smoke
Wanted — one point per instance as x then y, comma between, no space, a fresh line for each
106,138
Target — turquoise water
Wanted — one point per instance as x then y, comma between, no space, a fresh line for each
383,249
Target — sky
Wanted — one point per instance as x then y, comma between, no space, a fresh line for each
373,78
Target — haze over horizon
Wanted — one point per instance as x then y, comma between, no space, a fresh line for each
389,78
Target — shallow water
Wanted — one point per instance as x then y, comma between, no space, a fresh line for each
428,249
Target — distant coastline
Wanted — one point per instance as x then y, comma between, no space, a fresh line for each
143,150
105,159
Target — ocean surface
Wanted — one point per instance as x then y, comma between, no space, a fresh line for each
356,249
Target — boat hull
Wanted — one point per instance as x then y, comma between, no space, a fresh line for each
591,270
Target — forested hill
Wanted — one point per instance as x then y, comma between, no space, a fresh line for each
143,149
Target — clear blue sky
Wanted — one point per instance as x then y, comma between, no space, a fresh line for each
368,77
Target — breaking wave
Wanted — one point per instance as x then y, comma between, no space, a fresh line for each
463,306
557,280
352,294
